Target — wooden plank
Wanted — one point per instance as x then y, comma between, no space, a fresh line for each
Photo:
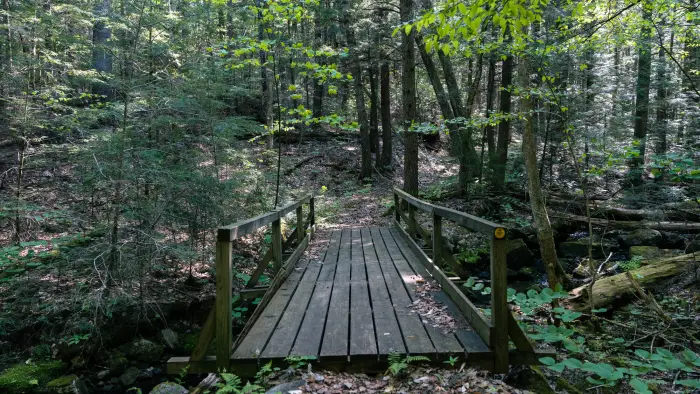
408,267
308,341
224,323
499,304
205,337
300,224
414,334
362,335
335,335
472,343
418,203
437,241
260,269
277,244
255,337
521,341
257,292
477,320
247,226
386,326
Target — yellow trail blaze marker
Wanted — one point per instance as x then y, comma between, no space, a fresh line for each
499,233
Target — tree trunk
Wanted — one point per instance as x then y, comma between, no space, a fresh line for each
101,55
490,98
356,71
617,290
501,157
641,112
661,103
373,109
386,158
408,95
317,106
434,77
545,235
687,227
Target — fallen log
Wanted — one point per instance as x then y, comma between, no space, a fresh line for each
686,227
616,290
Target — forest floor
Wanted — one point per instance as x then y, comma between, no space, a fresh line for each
49,312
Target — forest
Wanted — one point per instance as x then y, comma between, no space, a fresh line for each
131,130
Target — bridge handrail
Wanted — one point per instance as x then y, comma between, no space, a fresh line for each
248,226
496,332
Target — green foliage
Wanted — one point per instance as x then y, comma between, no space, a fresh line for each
451,361
76,339
398,364
631,264
298,362
26,376
233,384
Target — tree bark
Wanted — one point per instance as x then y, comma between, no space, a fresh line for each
501,157
317,104
386,158
356,71
408,95
373,108
688,227
641,112
661,102
545,235
101,55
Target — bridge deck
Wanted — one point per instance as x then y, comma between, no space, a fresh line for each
354,305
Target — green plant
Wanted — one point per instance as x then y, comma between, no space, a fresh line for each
181,376
297,362
232,384
76,339
398,365
262,376
632,264
452,361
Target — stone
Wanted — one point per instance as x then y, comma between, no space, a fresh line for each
579,248
129,377
170,338
169,388
117,364
144,350
286,387
518,254
671,240
24,377
693,246
69,384
650,252
102,375
641,237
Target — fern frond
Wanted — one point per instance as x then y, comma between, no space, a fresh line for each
413,359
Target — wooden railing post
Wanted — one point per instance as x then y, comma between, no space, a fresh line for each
277,244
499,301
412,221
437,240
224,327
312,212
397,206
300,224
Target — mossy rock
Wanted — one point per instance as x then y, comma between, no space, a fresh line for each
68,384
169,388
563,384
650,252
531,379
21,378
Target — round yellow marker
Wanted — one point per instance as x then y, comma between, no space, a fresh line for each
499,233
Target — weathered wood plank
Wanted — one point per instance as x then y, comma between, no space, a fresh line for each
247,226
409,267
386,326
414,334
256,338
335,335
277,244
477,320
224,323
362,335
308,342
499,305
472,343
265,262
205,337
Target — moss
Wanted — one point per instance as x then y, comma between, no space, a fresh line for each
563,384
24,377
63,381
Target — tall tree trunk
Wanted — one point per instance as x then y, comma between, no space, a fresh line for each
490,98
641,111
356,71
101,55
661,102
501,157
373,107
317,106
545,236
386,158
408,96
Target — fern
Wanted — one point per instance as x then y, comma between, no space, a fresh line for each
414,359
398,364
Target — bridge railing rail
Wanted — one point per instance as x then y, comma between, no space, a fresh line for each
494,331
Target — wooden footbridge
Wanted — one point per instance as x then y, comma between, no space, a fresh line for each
350,308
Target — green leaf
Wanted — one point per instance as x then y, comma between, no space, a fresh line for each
548,361
640,386
693,383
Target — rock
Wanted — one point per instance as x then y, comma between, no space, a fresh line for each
24,377
579,248
117,364
693,246
348,385
650,252
170,338
285,388
129,377
642,236
529,378
144,350
169,388
69,384
518,254
102,375
671,240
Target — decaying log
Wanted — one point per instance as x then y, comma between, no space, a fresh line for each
685,227
616,290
